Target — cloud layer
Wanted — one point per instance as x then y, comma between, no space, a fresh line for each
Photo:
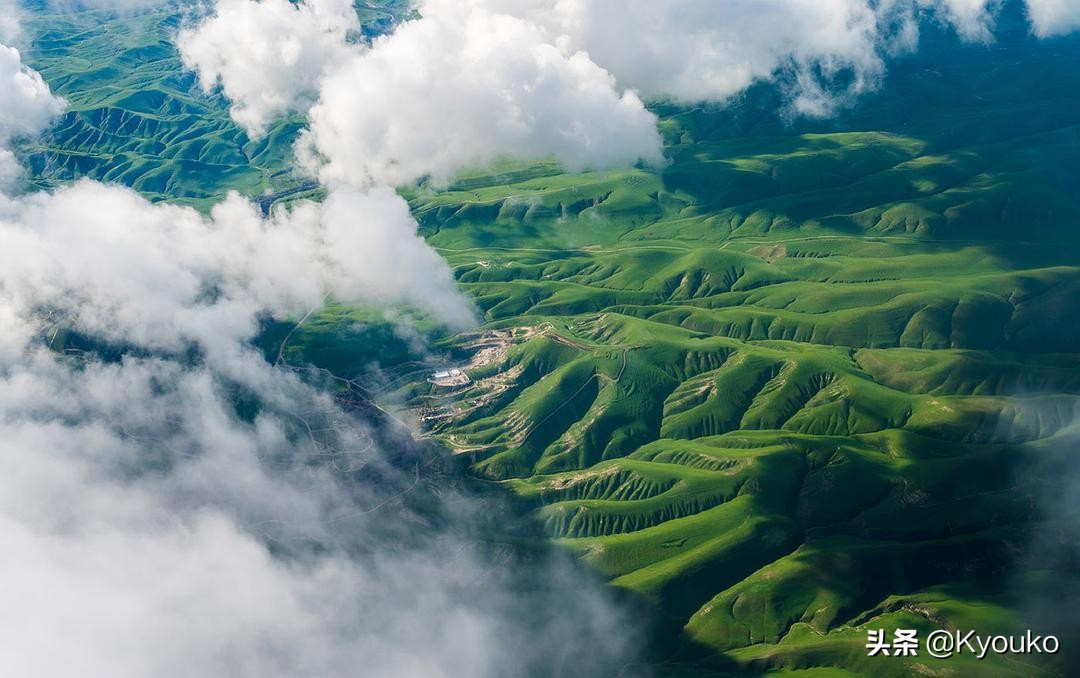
9,22
1054,17
472,80
691,50
268,57
972,19
154,527
26,104
134,503
462,87
69,250
138,504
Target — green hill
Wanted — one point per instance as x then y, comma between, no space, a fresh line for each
808,378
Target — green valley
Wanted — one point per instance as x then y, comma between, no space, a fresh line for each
809,378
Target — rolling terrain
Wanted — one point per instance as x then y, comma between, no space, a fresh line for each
807,379
134,116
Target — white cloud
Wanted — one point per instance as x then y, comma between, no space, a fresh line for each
697,50
9,22
693,50
133,508
463,86
973,19
1054,17
976,20
268,56
470,81
10,169
137,506
26,104
127,270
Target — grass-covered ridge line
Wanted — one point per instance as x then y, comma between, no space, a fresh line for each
802,381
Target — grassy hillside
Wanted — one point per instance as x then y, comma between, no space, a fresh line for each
806,379
135,117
